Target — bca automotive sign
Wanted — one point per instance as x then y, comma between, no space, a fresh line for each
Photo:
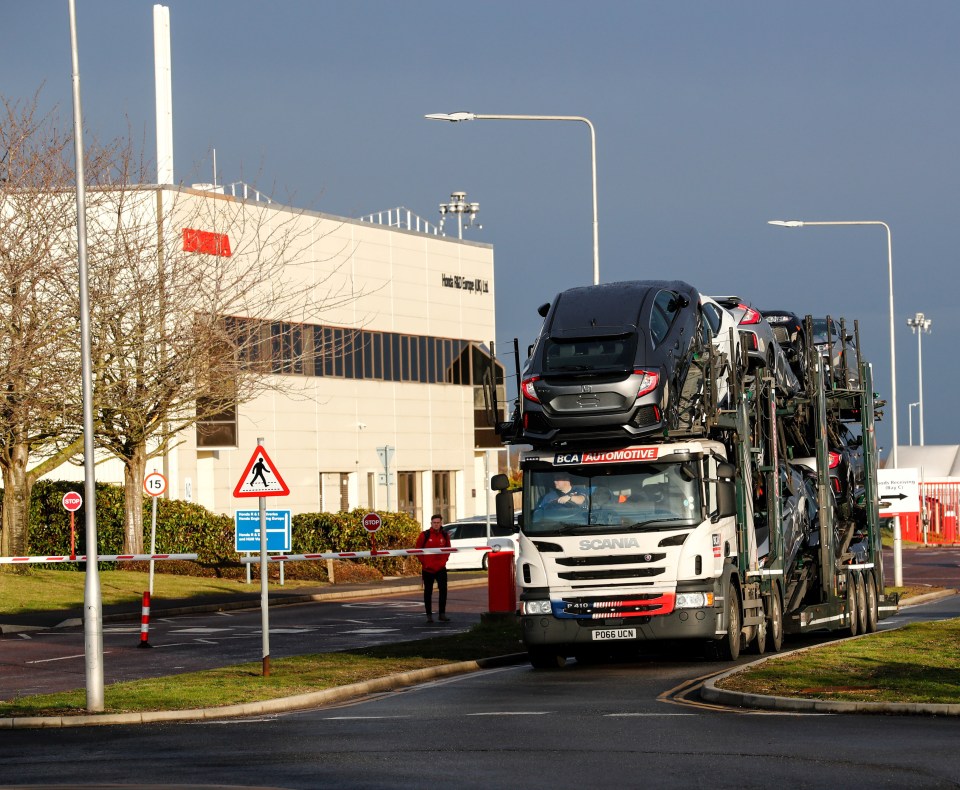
627,456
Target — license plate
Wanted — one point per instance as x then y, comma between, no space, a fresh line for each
614,633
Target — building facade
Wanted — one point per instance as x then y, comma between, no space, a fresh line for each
376,398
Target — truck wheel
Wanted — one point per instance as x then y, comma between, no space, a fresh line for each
728,646
853,622
760,639
861,603
775,623
873,604
483,562
545,658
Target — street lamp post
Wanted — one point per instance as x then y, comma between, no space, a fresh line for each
897,547
455,117
910,408
919,324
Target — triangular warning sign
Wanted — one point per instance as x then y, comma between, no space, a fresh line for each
261,477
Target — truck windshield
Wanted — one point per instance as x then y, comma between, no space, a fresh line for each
635,497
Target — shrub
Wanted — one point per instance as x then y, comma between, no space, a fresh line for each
184,527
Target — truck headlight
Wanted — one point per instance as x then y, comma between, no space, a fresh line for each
535,607
694,600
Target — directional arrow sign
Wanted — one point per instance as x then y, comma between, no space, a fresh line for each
261,477
899,491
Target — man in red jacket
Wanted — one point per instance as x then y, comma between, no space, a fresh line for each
434,567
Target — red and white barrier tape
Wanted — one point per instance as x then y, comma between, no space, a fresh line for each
344,555
101,558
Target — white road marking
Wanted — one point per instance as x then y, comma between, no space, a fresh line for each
625,715
354,718
370,631
513,713
198,630
24,636
61,658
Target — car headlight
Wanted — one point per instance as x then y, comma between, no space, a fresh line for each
697,600
535,607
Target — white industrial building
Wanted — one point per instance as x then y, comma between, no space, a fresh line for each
398,364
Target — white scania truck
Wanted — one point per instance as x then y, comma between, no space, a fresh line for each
701,532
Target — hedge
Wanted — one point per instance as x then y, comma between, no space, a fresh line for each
184,527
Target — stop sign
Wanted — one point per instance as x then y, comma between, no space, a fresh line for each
371,522
72,501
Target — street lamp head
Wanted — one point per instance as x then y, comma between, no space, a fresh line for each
453,117
786,223
919,323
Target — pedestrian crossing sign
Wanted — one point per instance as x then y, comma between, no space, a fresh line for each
260,478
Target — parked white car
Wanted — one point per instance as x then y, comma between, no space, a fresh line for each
469,533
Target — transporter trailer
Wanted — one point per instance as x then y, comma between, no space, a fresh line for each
698,533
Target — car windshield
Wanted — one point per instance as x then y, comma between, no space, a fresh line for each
593,354
820,331
637,497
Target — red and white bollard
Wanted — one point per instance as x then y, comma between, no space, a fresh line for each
145,620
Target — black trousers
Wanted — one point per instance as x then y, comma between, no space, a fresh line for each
440,577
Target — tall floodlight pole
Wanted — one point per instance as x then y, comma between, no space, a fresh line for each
920,324
454,117
897,555
910,408
92,610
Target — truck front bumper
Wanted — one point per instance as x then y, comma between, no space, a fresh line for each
544,630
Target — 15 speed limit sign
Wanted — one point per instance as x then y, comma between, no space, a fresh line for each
155,484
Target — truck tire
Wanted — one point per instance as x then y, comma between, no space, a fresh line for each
861,603
728,646
546,658
760,639
873,603
775,623
853,623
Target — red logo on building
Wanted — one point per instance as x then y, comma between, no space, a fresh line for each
206,242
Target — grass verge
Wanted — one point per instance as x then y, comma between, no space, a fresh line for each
288,676
917,663
36,590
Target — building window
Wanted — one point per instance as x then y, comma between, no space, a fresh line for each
287,348
216,423
408,500
344,492
442,499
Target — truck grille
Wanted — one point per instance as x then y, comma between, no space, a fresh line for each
637,605
598,575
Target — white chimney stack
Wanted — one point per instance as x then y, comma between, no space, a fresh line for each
161,66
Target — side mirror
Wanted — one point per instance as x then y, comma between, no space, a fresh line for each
499,483
504,509
726,491
543,309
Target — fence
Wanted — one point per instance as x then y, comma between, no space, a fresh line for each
941,503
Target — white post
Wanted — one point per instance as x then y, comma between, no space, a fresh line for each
264,582
153,539
92,603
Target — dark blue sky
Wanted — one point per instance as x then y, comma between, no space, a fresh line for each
711,118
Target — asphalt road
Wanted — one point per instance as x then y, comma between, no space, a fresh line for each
618,725
53,659
630,725
934,566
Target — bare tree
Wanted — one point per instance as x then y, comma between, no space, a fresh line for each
39,366
178,280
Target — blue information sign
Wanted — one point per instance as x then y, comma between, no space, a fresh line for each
247,534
